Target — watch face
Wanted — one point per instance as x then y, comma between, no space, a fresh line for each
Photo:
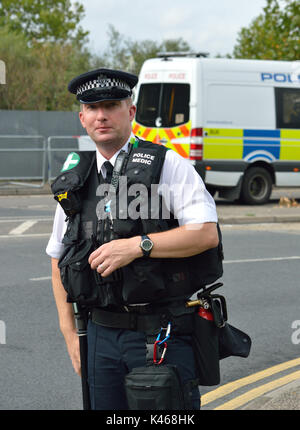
147,244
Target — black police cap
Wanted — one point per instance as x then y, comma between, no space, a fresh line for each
102,84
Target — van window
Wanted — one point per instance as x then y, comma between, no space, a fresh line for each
287,107
163,105
239,106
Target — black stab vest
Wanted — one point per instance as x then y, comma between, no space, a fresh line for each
145,280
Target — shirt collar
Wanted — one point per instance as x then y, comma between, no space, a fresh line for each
101,160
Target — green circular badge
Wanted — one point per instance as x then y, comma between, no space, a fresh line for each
71,161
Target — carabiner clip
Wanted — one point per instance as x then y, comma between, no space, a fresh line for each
162,355
167,334
160,342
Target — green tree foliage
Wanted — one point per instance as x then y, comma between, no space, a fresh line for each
44,20
37,74
43,47
20,67
125,54
57,65
273,35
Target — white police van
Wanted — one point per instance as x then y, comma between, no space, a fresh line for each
238,121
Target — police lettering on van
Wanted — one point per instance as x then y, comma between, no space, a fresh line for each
280,77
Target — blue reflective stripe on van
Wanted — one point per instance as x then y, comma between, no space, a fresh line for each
262,133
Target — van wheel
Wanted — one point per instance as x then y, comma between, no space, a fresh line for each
256,186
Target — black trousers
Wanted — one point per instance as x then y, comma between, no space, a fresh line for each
112,353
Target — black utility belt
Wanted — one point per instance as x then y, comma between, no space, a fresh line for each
148,323
146,318
138,309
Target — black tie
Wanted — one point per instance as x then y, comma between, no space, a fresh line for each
109,169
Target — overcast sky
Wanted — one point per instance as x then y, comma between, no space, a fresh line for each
207,25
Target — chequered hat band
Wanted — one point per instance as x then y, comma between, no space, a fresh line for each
103,83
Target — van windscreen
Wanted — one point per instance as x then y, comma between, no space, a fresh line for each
163,105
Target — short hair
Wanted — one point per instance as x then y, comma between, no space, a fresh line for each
128,100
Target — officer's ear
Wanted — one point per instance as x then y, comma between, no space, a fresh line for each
132,111
81,116
131,108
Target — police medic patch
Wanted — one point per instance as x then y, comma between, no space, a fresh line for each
72,160
143,157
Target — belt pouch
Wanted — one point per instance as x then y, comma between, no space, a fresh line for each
206,350
233,341
154,387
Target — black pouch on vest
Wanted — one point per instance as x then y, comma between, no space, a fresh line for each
69,201
77,276
141,283
155,387
209,264
66,185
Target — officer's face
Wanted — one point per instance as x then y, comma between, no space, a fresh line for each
108,122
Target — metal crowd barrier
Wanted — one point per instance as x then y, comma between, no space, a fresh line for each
23,162
39,159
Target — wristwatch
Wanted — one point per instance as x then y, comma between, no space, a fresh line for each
146,245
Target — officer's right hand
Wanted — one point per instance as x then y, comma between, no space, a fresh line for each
115,254
72,342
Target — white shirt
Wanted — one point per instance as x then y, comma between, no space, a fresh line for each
180,185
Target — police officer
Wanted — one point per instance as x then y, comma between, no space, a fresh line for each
106,113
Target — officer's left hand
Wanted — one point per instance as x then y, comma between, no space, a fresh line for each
115,254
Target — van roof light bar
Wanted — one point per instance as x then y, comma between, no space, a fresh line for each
182,54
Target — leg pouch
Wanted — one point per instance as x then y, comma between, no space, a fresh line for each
155,387
215,340
206,350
